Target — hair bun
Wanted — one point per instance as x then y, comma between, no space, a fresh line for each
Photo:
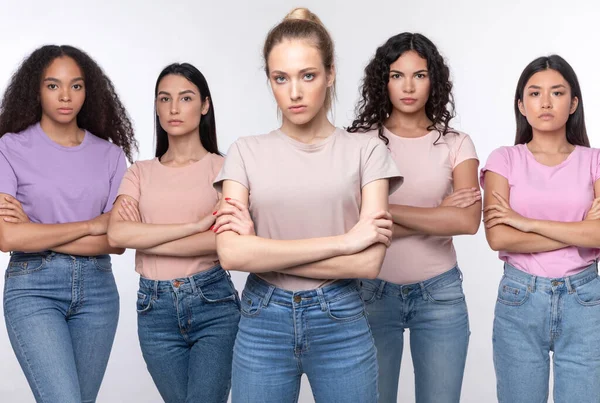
301,13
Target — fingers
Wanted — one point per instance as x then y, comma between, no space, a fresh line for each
382,214
501,199
384,240
14,201
228,210
381,223
494,214
494,207
385,232
494,222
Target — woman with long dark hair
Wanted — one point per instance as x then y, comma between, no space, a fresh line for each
64,137
406,100
540,214
188,308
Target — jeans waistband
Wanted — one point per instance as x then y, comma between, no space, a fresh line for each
318,296
440,280
48,254
183,284
533,282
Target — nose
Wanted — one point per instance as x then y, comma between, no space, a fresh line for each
546,101
174,107
295,90
65,95
408,85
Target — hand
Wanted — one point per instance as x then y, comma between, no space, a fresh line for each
369,230
501,213
12,211
594,212
129,210
99,225
234,216
462,198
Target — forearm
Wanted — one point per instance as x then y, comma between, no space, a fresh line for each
200,244
400,231
365,264
254,254
585,234
137,235
32,237
438,221
90,245
508,239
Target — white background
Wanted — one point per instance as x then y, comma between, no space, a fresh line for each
486,44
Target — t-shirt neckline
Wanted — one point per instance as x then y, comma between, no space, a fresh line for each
48,140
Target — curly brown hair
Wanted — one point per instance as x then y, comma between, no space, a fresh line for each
374,106
102,112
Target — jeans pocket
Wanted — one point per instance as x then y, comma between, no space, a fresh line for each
368,291
511,292
347,308
144,303
221,290
19,267
102,263
250,304
447,294
588,294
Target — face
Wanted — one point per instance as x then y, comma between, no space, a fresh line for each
409,84
62,91
299,80
179,105
547,102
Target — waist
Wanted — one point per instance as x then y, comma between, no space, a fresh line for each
586,275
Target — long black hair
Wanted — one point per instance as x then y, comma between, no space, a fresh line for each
102,112
576,131
208,131
374,106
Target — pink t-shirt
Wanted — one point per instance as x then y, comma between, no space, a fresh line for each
168,195
564,192
302,191
427,169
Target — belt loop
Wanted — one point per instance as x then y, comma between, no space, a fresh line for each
193,284
380,289
155,290
532,285
268,295
423,290
569,285
321,298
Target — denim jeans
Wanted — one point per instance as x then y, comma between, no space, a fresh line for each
537,315
61,313
436,314
187,328
322,333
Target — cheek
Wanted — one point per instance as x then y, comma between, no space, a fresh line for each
394,89
424,87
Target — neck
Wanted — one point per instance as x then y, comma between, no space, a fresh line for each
62,133
409,124
318,127
550,142
184,148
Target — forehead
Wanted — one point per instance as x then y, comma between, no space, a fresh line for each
409,60
176,82
547,78
63,66
292,55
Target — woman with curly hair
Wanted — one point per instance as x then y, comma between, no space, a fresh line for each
64,136
406,100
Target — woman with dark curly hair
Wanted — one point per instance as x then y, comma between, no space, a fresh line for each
407,101
64,136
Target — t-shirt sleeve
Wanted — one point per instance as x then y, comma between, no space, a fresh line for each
130,185
498,162
379,164
595,165
465,150
233,169
8,179
115,181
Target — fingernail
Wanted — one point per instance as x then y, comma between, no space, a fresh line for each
211,227
228,198
215,213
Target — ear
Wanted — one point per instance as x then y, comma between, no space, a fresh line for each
331,76
521,107
205,106
574,105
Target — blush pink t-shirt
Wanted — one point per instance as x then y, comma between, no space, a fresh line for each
564,192
302,191
168,195
427,169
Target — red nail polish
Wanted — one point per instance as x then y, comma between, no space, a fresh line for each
215,213
228,198
211,227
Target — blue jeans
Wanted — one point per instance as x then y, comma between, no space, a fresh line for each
322,333
61,313
536,315
436,314
187,328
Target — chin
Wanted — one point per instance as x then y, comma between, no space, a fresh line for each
300,119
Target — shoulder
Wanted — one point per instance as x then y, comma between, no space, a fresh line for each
14,141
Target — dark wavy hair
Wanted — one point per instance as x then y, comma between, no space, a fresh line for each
576,131
208,127
102,112
374,106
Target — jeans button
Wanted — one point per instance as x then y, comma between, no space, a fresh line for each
297,299
177,283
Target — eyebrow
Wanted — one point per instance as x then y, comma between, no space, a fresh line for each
305,70
416,72
180,92
537,87
56,80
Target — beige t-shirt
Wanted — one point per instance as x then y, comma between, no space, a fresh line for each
168,195
427,170
301,191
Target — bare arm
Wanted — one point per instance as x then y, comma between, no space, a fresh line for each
138,235
200,244
400,231
506,238
442,220
90,245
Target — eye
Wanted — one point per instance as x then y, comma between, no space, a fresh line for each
279,79
309,76
395,76
557,93
186,99
77,87
163,99
52,86
420,75
534,93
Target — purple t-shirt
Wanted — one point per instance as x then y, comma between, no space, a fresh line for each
57,184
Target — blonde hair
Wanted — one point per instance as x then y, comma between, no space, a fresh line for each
301,23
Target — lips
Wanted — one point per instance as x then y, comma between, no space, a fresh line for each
408,101
546,116
297,108
175,122
65,111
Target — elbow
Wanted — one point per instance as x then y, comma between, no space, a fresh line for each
229,259
114,241
371,267
495,244
472,227
118,251
6,244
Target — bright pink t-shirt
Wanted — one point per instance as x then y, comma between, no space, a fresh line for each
564,192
